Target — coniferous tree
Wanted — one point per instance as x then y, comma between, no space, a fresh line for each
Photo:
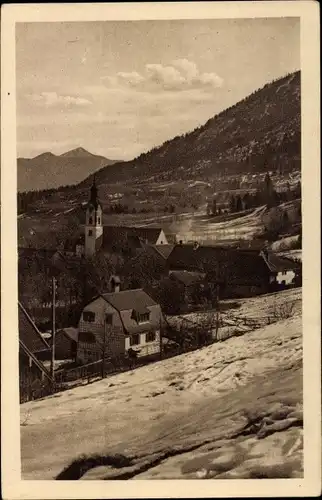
232,204
214,206
239,205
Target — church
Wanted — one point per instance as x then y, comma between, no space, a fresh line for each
119,239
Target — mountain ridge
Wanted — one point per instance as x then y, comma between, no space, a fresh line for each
261,132
262,129
47,170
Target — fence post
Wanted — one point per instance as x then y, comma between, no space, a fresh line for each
160,334
104,351
53,340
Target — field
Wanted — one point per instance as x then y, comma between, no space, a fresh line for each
188,226
230,410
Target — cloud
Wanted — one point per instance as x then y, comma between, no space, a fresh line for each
51,99
180,75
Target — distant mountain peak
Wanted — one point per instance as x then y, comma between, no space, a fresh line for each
77,153
45,155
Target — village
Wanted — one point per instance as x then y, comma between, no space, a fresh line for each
154,295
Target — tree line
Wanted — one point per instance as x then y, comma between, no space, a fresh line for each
266,195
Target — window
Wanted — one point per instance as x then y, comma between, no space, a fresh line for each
143,317
140,317
135,339
98,220
90,232
90,220
150,337
109,319
89,316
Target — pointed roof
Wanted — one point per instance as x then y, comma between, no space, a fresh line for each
124,300
120,235
31,341
29,333
70,332
93,201
163,250
187,278
275,263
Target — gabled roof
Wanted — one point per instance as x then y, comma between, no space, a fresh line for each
276,263
124,300
194,258
70,332
31,341
163,250
127,300
122,234
119,236
228,264
187,278
39,253
147,234
29,334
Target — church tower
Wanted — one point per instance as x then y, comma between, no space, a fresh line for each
93,224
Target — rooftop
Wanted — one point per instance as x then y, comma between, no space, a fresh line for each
29,333
136,299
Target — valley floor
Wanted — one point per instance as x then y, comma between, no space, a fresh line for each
230,410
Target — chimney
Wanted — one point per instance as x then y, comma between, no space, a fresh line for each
115,284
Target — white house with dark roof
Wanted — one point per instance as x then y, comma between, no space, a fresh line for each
117,321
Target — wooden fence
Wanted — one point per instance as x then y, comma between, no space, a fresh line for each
88,371
186,329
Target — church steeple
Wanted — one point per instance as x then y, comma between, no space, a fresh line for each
94,223
93,198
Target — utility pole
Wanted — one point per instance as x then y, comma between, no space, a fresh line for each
217,310
104,351
53,337
217,300
160,336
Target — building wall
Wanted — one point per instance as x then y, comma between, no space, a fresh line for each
287,277
145,348
79,250
88,353
93,230
162,240
65,347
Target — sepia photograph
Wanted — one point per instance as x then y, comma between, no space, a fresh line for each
159,210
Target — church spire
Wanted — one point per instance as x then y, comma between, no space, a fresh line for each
93,198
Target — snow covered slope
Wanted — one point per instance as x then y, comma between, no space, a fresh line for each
233,409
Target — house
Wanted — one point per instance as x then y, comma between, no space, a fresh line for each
66,343
148,267
34,378
193,284
236,272
114,322
131,240
283,272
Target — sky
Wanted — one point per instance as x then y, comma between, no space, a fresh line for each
119,88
